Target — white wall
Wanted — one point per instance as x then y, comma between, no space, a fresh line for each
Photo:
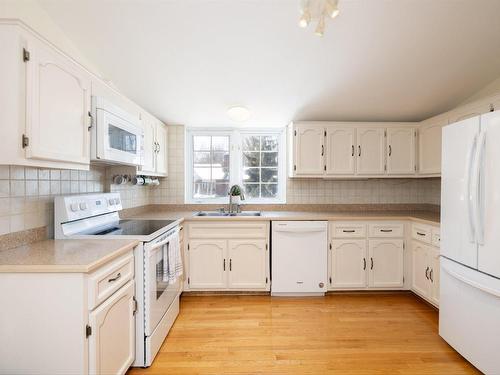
490,89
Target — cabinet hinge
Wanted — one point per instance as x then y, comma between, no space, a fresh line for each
385,167
266,246
325,133
415,134
294,167
330,279
403,279
385,133
415,167
330,246
492,107
135,305
403,245
25,141
188,246
267,280
88,330
295,132
325,167
26,55
189,280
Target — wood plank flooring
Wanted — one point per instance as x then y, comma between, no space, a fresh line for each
337,334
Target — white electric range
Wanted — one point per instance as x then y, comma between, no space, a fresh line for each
97,216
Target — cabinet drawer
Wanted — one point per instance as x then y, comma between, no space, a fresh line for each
348,230
421,232
109,278
257,229
387,229
436,236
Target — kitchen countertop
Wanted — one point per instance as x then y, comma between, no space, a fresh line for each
79,255
427,217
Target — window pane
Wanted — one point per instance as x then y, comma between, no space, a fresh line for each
269,190
203,189
201,143
251,190
251,175
220,159
269,175
269,159
220,143
250,159
202,174
270,143
251,143
221,190
201,158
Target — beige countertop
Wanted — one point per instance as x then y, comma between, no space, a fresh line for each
428,217
79,255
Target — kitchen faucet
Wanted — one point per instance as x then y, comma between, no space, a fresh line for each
235,191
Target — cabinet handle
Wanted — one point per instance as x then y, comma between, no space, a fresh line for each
427,273
421,234
390,150
359,150
224,265
322,150
348,230
230,264
158,147
430,275
371,261
386,230
364,264
115,278
352,150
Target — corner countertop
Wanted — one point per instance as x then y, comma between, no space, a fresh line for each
427,217
49,256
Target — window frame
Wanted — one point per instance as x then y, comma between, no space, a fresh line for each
235,162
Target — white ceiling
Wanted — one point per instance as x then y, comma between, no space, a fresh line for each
187,61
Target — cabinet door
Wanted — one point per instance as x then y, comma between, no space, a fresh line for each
370,158
161,156
149,161
429,148
207,264
401,151
348,263
247,264
386,263
57,107
434,275
309,149
420,268
340,145
112,341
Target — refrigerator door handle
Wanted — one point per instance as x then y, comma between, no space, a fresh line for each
468,191
470,282
476,182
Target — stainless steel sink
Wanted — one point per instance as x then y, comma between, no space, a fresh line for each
219,214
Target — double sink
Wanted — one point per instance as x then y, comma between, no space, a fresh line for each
218,213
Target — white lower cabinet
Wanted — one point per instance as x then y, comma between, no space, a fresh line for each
222,257
425,263
386,263
348,264
360,263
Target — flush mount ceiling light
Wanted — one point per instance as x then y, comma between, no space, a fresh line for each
317,10
238,113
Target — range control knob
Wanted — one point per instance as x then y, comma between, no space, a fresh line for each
74,207
111,202
117,200
83,206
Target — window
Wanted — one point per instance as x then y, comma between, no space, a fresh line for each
217,159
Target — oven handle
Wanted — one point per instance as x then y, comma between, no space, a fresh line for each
160,244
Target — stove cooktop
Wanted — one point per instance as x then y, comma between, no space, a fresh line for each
136,227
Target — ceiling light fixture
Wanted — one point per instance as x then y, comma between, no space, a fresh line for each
317,10
238,113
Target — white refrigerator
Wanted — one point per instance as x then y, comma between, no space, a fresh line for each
469,308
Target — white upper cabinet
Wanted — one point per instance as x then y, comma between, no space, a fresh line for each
401,150
155,147
161,152
370,151
348,263
149,156
429,146
309,150
340,150
386,263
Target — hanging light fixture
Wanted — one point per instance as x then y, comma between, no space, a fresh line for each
317,10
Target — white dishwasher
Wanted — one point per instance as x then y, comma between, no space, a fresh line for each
299,258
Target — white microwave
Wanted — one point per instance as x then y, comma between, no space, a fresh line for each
117,136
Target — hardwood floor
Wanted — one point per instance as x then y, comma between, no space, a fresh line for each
337,334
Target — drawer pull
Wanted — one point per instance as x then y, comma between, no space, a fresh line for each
348,230
427,273
386,230
115,278
421,234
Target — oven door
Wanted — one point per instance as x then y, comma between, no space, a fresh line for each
159,294
118,140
